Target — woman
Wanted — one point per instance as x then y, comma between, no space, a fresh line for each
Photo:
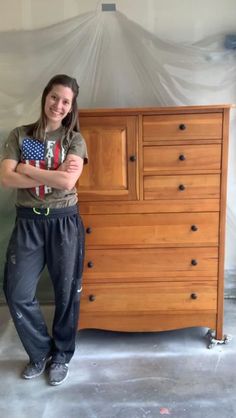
43,161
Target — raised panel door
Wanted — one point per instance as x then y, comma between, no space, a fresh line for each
112,148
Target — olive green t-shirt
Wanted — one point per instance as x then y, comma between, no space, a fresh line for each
47,155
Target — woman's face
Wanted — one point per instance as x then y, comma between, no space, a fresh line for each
58,104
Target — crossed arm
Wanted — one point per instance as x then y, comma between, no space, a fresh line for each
24,176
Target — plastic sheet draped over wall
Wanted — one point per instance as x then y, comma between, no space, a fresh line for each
117,64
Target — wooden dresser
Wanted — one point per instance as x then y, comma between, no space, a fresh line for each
152,199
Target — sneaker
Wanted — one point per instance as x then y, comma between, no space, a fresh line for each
34,369
58,373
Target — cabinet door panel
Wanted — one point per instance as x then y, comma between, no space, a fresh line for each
112,149
152,229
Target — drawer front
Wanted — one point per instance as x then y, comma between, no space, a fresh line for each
182,158
146,264
185,127
152,229
147,298
182,187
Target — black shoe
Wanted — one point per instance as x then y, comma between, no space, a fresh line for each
34,369
58,373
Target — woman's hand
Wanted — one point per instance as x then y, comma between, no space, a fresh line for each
21,168
70,165
16,176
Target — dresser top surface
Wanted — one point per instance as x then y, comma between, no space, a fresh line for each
160,110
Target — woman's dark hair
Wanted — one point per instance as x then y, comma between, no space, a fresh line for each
70,121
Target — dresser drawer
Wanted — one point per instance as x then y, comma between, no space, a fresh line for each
165,229
185,127
146,298
195,186
145,264
182,158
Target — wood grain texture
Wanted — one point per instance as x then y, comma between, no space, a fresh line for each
155,237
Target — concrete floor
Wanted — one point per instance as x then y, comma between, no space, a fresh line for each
126,375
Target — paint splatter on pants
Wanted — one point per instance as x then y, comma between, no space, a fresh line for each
55,240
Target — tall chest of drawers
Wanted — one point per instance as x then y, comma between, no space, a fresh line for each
153,200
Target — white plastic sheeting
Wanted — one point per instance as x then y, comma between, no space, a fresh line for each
117,64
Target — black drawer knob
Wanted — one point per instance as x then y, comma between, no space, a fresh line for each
90,264
182,187
194,296
194,228
89,230
182,127
194,262
133,158
92,298
182,157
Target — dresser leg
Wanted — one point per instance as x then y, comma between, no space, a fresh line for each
214,341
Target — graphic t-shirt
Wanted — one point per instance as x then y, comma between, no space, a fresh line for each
47,155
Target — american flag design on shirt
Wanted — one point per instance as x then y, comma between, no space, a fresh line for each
46,155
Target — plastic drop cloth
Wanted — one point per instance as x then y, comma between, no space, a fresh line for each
117,64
